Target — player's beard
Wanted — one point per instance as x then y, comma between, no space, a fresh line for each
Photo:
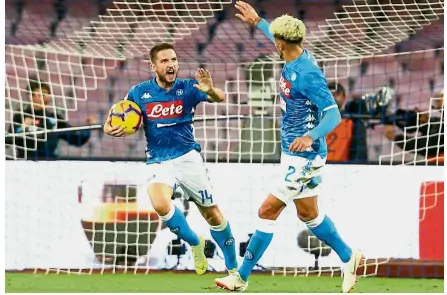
168,79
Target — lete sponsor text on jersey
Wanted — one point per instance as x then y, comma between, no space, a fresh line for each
285,87
164,110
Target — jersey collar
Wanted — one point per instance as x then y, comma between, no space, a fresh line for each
300,58
161,89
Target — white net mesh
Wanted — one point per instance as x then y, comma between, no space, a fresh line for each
91,61
71,78
423,142
77,64
73,65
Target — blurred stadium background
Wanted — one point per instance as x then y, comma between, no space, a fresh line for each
91,52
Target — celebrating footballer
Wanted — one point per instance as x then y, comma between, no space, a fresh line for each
309,112
174,163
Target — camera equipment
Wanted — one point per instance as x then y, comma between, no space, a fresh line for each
311,244
176,248
126,255
210,249
382,102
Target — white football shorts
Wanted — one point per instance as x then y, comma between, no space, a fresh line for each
187,171
299,178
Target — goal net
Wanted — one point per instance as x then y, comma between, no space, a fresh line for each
388,56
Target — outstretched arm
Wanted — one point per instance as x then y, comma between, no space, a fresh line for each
264,26
249,15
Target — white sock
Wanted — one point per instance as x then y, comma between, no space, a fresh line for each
169,215
316,221
220,227
266,225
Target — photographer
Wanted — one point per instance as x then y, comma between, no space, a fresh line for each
429,138
347,142
37,116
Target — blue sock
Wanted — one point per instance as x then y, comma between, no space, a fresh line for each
327,233
256,248
179,226
224,238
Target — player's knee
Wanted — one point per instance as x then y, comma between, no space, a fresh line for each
268,212
213,216
160,195
162,208
308,214
271,208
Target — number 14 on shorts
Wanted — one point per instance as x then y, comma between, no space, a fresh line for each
206,196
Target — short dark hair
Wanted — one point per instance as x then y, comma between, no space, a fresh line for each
298,41
157,48
337,87
34,85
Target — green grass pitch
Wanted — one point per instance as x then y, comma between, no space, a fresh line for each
191,283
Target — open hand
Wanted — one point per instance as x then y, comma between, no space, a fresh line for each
205,82
116,131
300,144
247,13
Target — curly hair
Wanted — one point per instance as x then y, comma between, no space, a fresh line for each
289,29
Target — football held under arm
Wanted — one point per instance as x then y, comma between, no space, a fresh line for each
314,86
117,130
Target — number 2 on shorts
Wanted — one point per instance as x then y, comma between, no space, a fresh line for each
292,170
204,195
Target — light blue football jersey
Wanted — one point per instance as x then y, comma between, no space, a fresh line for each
304,97
168,117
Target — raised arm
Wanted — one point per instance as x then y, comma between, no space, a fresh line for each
207,91
249,15
264,26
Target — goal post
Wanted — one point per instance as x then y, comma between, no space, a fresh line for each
92,201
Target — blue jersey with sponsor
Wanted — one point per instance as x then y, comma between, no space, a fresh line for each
168,117
304,97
